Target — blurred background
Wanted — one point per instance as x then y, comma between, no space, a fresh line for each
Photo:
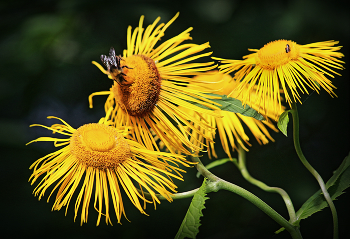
46,49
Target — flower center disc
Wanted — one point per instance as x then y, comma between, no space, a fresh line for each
99,146
139,93
277,53
98,140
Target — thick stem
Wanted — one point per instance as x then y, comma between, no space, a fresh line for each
319,179
243,168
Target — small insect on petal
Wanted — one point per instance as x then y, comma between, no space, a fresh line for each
287,48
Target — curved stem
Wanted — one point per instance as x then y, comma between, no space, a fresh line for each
215,163
319,179
182,195
242,167
215,184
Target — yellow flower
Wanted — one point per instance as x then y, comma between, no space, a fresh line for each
103,161
285,65
230,126
149,82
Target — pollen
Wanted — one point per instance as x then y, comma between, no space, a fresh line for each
277,53
139,92
99,146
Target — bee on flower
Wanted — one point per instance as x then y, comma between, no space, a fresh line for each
151,81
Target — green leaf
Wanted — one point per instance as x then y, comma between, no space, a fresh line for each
216,163
283,122
335,185
190,224
232,105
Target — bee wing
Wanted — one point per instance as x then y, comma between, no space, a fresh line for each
105,61
112,53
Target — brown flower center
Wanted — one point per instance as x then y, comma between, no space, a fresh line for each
139,92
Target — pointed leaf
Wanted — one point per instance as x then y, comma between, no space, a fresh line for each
190,224
232,105
282,123
335,185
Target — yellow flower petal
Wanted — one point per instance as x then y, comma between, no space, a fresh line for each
287,66
152,81
100,159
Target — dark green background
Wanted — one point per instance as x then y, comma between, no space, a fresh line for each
46,49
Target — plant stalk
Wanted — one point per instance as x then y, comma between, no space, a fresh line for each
243,168
319,179
215,184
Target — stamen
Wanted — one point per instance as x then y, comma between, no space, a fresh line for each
277,53
139,92
99,146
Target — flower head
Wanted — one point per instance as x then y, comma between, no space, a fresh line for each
285,65
99,157
150,82
230,125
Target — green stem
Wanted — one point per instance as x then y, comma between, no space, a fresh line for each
242,167
215,184
182,195
216,163
319,179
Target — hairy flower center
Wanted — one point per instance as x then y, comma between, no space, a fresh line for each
139,92
99,146
277,53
